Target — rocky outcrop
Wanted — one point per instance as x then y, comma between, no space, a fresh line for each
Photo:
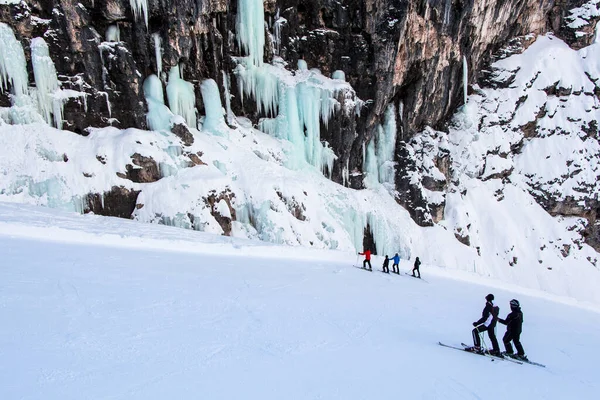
118,202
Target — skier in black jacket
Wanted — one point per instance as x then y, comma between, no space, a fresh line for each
416,267
514,326
487,322
386,264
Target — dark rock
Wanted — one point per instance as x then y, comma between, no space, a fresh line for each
146,171
182,132
118,202
212,200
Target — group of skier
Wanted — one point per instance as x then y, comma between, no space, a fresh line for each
487,323
386,263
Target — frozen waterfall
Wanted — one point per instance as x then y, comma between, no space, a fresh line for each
13,68
379,154
50,104
250,28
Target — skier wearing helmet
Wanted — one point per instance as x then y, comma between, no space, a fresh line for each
514,325
487,322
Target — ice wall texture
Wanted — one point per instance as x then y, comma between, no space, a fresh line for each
388,51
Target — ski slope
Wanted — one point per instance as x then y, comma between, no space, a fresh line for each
104,308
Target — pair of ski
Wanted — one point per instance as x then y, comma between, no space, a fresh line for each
465,347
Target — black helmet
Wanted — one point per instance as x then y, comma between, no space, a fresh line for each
514,303
489,297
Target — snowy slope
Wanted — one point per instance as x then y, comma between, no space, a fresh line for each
107,308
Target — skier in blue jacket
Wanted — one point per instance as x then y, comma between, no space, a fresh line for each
396,260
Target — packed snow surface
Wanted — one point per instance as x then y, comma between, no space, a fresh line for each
105,308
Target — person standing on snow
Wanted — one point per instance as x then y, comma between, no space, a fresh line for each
514,325
367,254
487,322
396,260
386,264
416,267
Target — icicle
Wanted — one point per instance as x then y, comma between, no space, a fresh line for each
182,99
226,85
250,28
113,34
158,52
140,7
346,174
465,78
47,87
447,8
279,22
13,68
261,85
108,107
159,116
212,105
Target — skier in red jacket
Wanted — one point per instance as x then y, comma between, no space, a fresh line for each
367,254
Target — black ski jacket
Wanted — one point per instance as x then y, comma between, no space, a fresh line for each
485,313
513,321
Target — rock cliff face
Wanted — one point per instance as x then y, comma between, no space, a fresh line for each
411,54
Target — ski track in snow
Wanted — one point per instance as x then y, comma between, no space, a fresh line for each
88,318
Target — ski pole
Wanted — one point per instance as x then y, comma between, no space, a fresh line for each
356,263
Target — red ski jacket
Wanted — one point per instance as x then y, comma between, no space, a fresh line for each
367,255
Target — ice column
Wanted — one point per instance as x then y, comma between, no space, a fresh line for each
465,78
250,28
212,105
158,52
447,8
48,89
230,115
182,99
13,68
379,162
159,116
140,7
279,22
386,146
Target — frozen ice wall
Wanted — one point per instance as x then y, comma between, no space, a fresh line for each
182,100
13,75
50,104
